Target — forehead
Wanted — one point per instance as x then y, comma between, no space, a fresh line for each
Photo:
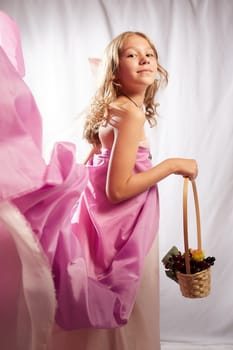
135,42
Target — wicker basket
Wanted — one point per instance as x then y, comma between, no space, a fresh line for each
195,285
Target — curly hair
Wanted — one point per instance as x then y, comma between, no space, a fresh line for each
108,90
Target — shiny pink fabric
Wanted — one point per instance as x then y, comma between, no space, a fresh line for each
27,287
96,249
10,41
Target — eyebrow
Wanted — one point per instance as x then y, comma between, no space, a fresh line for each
136,48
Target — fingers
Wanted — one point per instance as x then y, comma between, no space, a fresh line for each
113,121
187,168
195,173
193,170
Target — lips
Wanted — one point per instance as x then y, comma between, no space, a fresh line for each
145,71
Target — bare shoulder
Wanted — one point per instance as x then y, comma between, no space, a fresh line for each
124,113
125,122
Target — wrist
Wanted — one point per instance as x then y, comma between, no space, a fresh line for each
172,165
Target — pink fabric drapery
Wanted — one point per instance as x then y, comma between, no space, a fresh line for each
11,43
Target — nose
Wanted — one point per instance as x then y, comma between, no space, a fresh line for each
144,59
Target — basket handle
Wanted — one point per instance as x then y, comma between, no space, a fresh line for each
185,220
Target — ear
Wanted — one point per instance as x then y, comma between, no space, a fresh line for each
94,64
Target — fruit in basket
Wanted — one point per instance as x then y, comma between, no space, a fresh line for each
174,261
197,254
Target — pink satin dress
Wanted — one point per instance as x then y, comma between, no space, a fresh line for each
74,258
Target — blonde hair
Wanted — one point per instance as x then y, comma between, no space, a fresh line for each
108,90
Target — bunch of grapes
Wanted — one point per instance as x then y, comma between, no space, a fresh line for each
175,261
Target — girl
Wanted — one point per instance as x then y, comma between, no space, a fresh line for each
122,198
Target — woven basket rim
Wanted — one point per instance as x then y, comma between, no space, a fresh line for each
193,274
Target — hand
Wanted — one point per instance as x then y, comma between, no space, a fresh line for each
185,167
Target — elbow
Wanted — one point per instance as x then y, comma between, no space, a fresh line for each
115,196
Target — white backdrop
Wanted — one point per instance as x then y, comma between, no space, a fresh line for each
194,40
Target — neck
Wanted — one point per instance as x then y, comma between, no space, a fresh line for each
133,101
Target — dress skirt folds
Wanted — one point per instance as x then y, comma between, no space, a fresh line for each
68,256
142,330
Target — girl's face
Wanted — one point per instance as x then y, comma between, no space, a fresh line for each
137,64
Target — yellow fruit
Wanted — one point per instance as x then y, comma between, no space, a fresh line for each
198,254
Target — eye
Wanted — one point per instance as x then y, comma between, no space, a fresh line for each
132,55
150,54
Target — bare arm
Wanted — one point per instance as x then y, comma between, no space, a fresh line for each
122,183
